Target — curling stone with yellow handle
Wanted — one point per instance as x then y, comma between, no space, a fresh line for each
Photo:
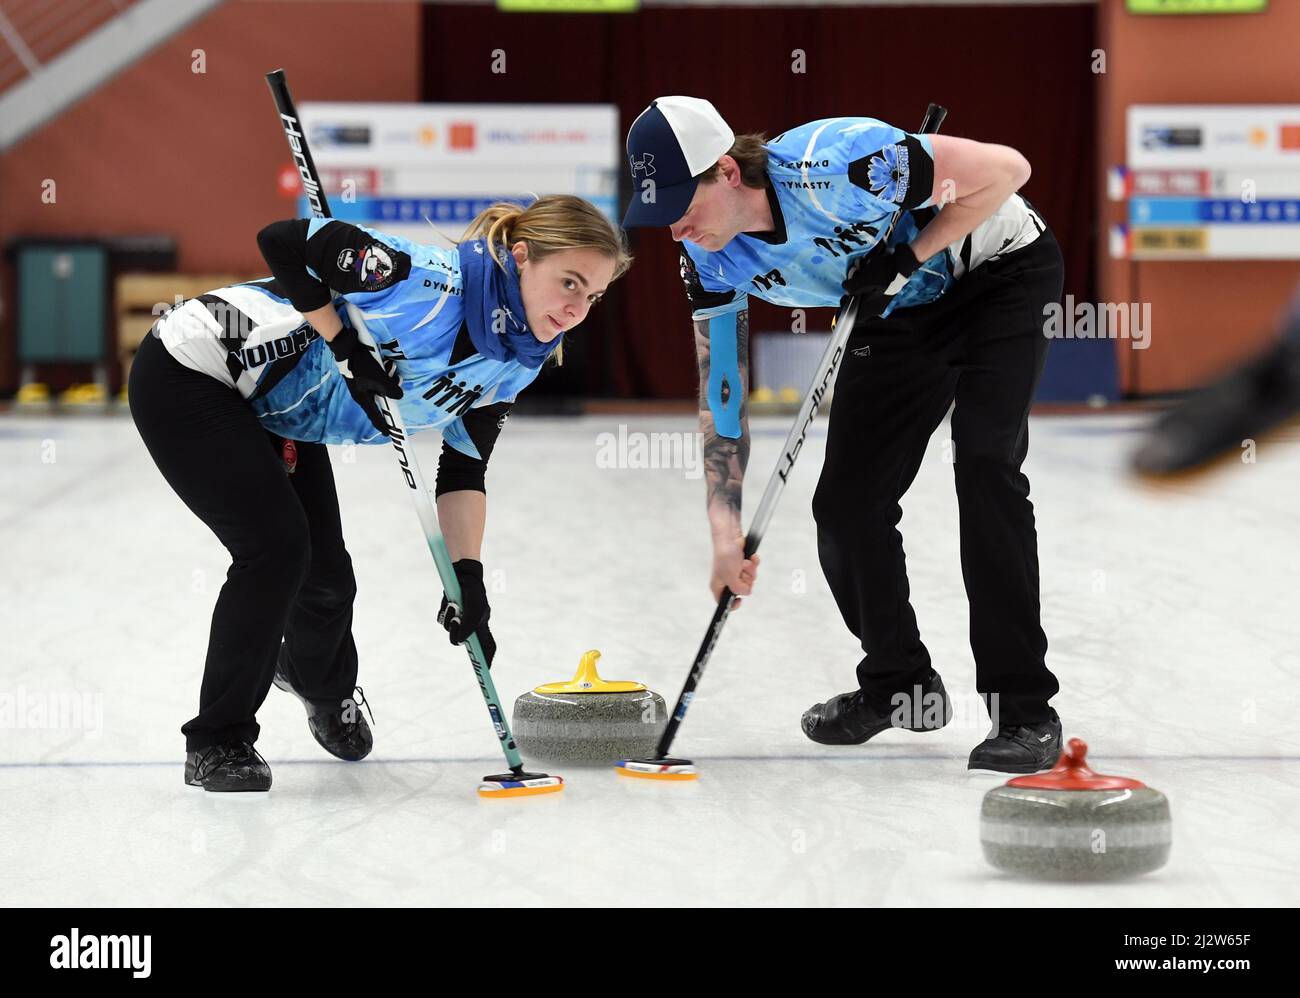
589,719
88,393
33,393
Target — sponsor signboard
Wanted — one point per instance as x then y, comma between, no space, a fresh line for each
1211,181
401,167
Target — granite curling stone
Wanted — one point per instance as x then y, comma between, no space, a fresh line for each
1073,824
589,719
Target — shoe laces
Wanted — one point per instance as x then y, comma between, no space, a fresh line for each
360,701
242,752
236,752
1016,730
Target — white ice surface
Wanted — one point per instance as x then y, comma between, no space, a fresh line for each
1171,612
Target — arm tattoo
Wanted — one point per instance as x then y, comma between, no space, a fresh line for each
724,459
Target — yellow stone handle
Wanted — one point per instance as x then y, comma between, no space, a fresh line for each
587,680
587,674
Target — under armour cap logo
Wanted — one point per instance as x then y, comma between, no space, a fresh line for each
645,163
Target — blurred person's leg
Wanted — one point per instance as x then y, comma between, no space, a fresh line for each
1243,405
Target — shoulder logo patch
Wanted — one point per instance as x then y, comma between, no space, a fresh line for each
696,294
374,267
888,174
686,267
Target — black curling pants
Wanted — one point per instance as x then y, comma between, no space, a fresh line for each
290,575
981,346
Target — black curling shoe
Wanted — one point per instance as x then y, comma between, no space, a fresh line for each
1020,748
341,730
849,720
232,767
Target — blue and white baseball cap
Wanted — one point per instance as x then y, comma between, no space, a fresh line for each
672,142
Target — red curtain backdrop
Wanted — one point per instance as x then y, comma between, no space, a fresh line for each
1022,76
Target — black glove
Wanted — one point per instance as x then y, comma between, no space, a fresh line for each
472,614
363,375
875,278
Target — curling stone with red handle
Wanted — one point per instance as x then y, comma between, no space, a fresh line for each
1073,824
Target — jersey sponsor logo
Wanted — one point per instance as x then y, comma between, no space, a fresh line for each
455,398
346,259
690,276
284,346
765,281
374,267
806,164
805,185
444,287
696,294
888,174
847,239
686,267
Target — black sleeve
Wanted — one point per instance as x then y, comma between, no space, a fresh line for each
459,472
904,173
347,259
